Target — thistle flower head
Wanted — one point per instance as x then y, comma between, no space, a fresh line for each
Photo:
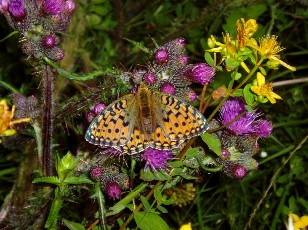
231,110
17,9
156,159
150,78
200,73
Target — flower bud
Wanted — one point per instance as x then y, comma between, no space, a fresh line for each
69,7
150,78
113,190
49,41
183,60
96,173
55,54
239,172
167,88
4,4
161,56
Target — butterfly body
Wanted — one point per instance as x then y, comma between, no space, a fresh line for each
147,119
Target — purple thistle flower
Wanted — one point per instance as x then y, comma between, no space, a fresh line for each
17,9
161,55
168,88
190,95
156,159
113,190
263,128
200,73
150,78
96,172
49,41
53,6
230,110
90,115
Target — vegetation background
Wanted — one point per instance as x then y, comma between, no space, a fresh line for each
95,41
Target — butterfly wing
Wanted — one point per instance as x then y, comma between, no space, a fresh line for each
180,121
114,125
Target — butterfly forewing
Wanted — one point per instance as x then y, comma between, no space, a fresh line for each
113,126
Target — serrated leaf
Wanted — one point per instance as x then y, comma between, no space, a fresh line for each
139,45
123,202
72,225
150,175
212,142
47,179
78,180
145,221
248,95
208,58
145,203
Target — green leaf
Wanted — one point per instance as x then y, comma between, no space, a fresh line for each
54,213
248,95
139,45
49,180
175,164
78,180
212,142
122,203
162,209
150,175
232,63
145,203
7,171
263,71
72,225
158,196
150,221
237,93
208,58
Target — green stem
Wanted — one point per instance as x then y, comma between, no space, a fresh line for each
251,73
102,209
9,87
83,77
39,144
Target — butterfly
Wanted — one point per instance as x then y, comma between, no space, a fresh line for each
146,119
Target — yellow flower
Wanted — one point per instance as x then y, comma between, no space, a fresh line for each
228,48
245,30
186,227
6,119
269,49
265,89
299,223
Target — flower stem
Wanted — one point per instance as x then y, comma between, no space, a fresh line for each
236,88
83,77
47,123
